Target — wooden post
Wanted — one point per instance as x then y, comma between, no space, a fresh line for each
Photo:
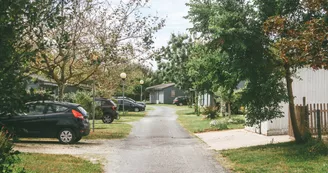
318,124
306,118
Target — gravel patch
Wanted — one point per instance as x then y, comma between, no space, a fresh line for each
96,151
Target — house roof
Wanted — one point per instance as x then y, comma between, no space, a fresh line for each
49,82
160,87
43,80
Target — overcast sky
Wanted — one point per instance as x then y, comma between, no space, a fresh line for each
173,11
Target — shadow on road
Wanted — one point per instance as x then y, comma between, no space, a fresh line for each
81,143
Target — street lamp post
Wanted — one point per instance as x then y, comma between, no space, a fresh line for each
123,77
141,83
93,104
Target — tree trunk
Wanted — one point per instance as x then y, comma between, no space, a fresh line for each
61,88
289,81
229,109
222,104
196,104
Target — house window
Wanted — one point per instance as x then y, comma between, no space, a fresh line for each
172,93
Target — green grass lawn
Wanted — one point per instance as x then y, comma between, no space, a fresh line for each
196,124
284,157
116,130
56,163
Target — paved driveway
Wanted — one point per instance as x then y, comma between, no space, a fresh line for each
158,144
231,139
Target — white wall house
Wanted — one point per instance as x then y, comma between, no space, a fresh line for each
206,100
313,85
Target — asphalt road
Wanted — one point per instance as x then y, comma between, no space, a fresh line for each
158,144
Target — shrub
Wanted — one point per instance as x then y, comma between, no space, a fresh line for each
196,109
81,97
85,100
7,156
237,120
219,124
37,95
210,112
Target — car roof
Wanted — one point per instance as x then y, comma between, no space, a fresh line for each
101,98
55,102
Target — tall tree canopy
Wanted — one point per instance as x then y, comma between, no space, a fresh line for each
232,30
15,18
172,61
299,36
80,38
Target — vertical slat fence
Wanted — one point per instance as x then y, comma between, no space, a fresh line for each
312,118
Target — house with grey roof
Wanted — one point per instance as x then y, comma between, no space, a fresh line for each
39,82
164,93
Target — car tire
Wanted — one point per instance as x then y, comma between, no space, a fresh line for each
180,104
66,136
107,119
77,139
136,109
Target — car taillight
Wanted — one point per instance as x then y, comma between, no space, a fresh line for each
114,108
77,114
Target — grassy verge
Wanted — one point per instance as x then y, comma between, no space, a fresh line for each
56,163
196,124
284,157
116,130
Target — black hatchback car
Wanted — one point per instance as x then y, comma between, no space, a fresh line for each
67,122
108,108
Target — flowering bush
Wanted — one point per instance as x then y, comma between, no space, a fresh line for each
219,124
236,120
210,112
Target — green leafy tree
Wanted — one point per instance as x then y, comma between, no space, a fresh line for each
16,17
299,36
173,60
82,38
232,31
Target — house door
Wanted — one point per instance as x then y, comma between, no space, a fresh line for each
161,97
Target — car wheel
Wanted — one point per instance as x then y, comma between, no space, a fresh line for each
180,104
77,139
107,119
66,136
136,109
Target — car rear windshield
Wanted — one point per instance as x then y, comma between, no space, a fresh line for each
112,103
83,111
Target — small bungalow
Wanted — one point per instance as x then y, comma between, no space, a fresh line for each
41,83
313,85
164,93
206,100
